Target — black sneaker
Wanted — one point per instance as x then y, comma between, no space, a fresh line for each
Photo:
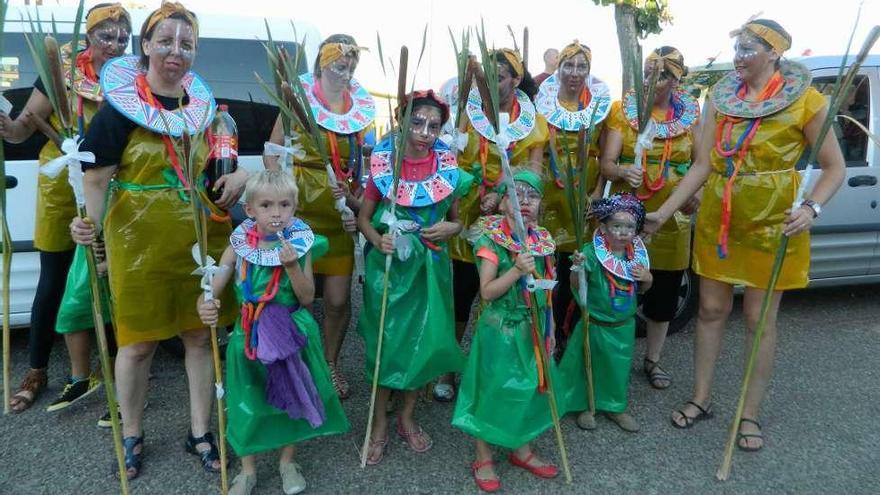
73,392
104,422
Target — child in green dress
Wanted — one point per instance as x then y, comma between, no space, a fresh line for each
617,267
277,382
502,398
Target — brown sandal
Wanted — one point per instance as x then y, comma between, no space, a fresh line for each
33,384
343,390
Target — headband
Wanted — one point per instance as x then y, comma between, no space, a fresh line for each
575,48
774,38
513,59
331,52
616,203
530,178
169,9
113,12
426,95
672,62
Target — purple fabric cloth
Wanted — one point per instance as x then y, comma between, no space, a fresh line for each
289,383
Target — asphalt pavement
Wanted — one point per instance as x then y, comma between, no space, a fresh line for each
820,422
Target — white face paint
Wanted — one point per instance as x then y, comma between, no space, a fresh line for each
426,124
180,43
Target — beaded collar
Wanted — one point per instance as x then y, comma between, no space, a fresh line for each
297,233
494,226
416,193
687,111
547,102
723,95
358,117
619,267
118,83
517,130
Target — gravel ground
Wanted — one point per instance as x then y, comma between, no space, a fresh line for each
820,420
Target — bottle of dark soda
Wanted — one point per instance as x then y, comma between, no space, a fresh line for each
223,158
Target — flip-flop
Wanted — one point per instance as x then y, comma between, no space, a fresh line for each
383,443
410,436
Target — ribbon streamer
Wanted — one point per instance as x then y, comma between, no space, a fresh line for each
72,156
287,150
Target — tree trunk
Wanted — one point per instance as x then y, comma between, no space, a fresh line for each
628,40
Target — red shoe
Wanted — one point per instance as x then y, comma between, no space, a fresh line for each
485,485
548,471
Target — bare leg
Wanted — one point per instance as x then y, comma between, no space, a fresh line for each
417,439
287,454
249,465
380,426
132,369
716,301
656,337
752,301
484,455
79,348
523,453
200,377
337,313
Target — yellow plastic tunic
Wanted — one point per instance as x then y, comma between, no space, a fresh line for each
316,204
557,214
149,235
669,247
766,187
55,204
469,161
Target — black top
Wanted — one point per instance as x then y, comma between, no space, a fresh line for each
39,86
109,129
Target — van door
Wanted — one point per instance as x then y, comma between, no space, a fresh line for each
846,235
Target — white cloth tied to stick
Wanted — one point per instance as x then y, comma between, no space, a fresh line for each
206,271
455,140
284,151
402,244
71,156
802,188
581,271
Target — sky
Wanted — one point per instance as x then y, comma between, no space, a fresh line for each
699,28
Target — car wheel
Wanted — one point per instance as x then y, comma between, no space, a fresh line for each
688,299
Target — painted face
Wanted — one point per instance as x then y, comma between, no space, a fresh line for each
172,48
665,80
271,209
507,82
529,201
340,72
424,128
109,39
751,57
573,72
620,228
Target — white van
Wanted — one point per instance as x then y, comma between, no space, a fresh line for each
229,53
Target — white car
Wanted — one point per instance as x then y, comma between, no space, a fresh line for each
229,53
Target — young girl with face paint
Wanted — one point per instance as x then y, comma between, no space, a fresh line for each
344,111
502,399
758,121
419,339
277,382
675,115
148,227
108,29
617,269
480,157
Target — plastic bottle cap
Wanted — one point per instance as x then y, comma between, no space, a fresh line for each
223,108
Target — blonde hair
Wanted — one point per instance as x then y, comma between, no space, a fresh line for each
272,180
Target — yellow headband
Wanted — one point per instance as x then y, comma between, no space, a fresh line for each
331,52
573,49
113,12
773,38
513,59
672,62
167,10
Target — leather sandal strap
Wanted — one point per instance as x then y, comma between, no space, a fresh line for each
702,410
752,421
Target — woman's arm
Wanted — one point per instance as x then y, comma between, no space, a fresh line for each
536,159
95,183
833,172
271,161
18,130
694,179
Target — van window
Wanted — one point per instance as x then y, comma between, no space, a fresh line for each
856,105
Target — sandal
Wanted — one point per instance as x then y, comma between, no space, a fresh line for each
657,376
703,413
133,460
32,385
208,456
740,436
486,484
546,471
343,389
410,436
378,444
